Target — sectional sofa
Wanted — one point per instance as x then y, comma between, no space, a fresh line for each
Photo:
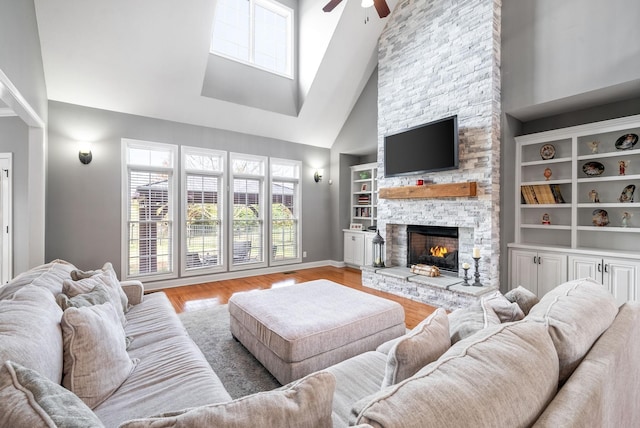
116,357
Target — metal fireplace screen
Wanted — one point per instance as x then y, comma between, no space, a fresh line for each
434,246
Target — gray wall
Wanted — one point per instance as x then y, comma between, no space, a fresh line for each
555,50
356,144
13,139
560,58
83,201
21,62
20,57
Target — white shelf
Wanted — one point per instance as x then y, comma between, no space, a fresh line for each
365,214
571,222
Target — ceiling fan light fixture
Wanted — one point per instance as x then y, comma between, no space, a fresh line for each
366,3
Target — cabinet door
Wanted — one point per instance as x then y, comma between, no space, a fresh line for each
524,270
353,248
585,267
621,278
368,249
552,271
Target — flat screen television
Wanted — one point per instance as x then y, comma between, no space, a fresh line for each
424,148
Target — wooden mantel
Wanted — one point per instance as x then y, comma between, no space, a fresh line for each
445,190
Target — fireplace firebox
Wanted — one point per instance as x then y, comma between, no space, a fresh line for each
434,246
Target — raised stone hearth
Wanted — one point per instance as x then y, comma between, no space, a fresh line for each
444,291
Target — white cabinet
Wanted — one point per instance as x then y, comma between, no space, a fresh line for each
620,276
358,248
537,271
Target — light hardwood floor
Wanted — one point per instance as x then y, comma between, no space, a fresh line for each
193,297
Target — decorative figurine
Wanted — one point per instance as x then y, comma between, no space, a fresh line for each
594,146
625,219
465,267
623,166
593,196
546,219
547,173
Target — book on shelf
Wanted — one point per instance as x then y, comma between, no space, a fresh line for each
542,194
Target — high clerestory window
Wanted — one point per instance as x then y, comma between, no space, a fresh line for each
256,32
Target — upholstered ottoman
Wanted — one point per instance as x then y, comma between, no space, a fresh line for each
302,328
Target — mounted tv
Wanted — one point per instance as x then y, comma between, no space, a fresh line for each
424,148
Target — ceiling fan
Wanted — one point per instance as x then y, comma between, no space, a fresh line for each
381,7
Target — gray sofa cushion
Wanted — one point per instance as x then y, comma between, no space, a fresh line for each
97,296
505,310
27,399
304,403
514,363
576,313
48,276
30,331
424,344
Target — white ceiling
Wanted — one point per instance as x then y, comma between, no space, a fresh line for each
147,57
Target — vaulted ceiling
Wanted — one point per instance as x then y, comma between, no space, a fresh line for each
148,58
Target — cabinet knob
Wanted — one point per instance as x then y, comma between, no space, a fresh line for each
606,268
535,260
599,267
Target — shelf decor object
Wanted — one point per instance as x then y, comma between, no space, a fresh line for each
477,282
626,142
593,145
378,250
593,169
465,267
627,194
600,218
548,151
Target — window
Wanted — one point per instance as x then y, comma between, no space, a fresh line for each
203,208
257,32
247,210
285,211
148,202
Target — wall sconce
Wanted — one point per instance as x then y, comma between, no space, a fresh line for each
318,175
84,154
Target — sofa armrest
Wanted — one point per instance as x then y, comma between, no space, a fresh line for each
134,291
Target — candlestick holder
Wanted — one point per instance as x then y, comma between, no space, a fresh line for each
477,282
466,277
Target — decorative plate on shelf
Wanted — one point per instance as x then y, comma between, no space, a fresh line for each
547,151
627,193
600,218
593,169
626,142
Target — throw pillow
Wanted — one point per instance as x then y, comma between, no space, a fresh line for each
523,297
109,280
423,345
576,313
504,309
97,296
30,399
465,322
96,362
304,403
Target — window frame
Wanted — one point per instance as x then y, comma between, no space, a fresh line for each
297,195
275,7
222,201
172,198
264,211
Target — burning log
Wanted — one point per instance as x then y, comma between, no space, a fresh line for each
438,251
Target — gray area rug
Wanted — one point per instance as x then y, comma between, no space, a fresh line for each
240,373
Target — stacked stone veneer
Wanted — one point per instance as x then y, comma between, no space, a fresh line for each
439,58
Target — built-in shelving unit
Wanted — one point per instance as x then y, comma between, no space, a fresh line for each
586,171
575,207
364,194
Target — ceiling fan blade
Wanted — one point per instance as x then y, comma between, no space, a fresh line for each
331,5
382,8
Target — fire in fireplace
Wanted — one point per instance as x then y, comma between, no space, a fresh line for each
434,246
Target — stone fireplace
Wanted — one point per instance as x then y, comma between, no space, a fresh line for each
449,66
433,246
